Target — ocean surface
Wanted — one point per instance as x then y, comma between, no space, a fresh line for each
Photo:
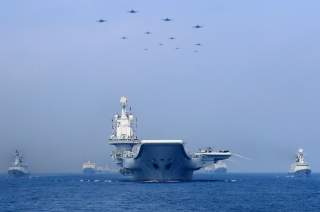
207,192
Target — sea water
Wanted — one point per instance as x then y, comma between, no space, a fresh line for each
207,192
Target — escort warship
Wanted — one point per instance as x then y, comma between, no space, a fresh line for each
300,167
160,160
18,168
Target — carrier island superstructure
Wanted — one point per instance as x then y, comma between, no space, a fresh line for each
160,160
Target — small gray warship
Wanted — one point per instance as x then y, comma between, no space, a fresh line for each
300,167
18,168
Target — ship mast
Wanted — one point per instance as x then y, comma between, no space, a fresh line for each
18,159
300,157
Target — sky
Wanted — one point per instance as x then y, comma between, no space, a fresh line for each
252,87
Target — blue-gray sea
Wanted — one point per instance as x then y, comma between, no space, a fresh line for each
207,192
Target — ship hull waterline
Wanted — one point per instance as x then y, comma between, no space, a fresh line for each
89,171
17,173
302,173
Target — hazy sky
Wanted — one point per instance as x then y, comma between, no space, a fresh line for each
253,87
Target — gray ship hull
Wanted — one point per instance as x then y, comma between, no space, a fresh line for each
302,172
88,171
161,162
17,173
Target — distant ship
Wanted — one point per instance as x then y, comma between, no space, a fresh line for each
218,168
18,167
159,160
89,168
300,167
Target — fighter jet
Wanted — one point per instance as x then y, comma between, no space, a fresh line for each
124,38
172,38
167,19
147,33
198,44
197,26
160,44
195,51
132,11
101,20
145,49
177,48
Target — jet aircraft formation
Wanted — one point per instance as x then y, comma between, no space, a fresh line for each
167,19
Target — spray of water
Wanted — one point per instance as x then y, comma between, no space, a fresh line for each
241,156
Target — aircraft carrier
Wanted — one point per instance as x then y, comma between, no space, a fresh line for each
155,160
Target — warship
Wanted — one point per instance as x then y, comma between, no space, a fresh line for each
300,167
18,168
155,160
